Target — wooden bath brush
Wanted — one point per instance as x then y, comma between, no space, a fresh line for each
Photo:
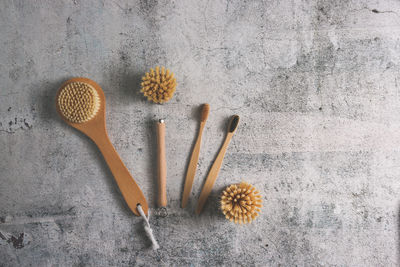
241,203
81,103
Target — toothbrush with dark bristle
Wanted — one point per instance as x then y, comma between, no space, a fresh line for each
213,173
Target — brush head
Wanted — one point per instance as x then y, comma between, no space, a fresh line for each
241,203
158,85
78,102
204,112
233,123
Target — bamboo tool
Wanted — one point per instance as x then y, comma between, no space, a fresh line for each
191,171
158,85
162,165
212,175
81,103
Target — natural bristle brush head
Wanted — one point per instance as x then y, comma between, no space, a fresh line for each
158,85
204,112
78,102
241,203
81,103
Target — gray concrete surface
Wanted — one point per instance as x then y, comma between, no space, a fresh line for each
316,84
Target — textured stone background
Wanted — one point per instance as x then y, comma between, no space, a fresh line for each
316,85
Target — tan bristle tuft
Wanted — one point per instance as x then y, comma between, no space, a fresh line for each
78,102
204,112
241,203
158,85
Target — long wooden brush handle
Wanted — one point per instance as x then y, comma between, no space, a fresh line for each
191,171
127,185
162,165
213,174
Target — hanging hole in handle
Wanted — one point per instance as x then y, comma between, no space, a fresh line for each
141,211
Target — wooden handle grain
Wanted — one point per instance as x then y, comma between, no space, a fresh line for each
127,185
162,165
212,175
191,171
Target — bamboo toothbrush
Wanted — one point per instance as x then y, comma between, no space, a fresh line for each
191,171
212,175
81,104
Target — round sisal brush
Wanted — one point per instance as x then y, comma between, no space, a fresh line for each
158,86
81,103
241,203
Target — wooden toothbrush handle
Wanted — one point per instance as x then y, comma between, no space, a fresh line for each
212,175
162,165
191,171
127,185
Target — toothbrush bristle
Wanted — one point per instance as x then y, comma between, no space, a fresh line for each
204,112
234,123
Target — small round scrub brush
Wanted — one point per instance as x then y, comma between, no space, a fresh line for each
159,85
241,203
